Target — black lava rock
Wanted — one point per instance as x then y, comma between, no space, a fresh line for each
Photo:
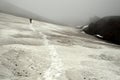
108,28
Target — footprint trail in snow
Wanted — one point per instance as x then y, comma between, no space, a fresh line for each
56,69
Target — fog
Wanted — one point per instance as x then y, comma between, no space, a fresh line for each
65,12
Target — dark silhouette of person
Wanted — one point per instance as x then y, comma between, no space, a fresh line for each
30,20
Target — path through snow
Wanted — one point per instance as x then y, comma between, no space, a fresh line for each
56,69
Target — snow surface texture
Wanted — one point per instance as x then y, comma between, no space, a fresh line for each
44,51
56,68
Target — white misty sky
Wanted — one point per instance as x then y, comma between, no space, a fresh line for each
70,12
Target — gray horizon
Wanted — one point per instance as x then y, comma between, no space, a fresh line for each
64,12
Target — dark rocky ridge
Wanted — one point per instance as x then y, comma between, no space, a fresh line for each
108,28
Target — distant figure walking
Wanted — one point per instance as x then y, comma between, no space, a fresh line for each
30,20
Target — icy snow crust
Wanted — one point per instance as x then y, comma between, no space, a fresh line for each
44,51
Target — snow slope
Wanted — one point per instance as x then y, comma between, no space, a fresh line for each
44,51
